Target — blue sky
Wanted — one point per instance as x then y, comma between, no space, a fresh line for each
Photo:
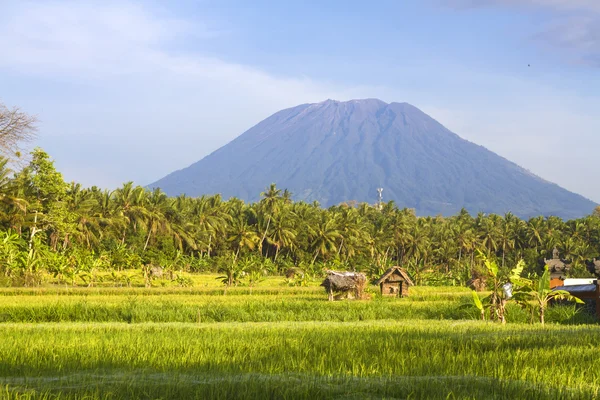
132,90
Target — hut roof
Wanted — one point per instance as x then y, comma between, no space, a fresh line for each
391,270
574,289
342,281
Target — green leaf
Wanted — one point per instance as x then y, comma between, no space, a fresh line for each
491,265
477,300
564,295
544,281
517,270
522,283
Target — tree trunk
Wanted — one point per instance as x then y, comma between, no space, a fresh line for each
209,243
264,235
502,311
147,239
385,256
33,230
315,257
341,245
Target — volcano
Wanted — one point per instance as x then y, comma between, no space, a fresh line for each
334,152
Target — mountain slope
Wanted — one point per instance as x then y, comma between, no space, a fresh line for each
340,151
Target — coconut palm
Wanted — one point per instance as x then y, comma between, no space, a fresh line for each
323,237
242,236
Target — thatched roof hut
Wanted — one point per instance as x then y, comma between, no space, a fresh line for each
395,282
344,282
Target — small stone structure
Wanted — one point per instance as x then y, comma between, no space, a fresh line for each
347,283
594,267
394,282
557,268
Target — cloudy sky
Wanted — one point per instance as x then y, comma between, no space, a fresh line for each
132,90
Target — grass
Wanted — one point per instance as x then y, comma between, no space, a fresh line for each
284,342
276,304
380,358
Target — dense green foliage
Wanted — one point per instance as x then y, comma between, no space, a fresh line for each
72,233
284,342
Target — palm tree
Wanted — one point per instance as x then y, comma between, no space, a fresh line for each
270,204
81,204
209,219
282,232
129,203
489,233
157,208
506,236
242,235
323,237
353,231
464,237
106,213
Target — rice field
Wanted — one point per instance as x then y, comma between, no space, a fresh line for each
276,341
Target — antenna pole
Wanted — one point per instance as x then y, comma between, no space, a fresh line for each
380,201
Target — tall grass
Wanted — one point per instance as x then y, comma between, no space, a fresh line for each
278,342
302,360
288,304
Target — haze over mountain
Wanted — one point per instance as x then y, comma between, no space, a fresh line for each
335,151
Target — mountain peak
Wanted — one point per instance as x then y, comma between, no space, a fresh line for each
353,101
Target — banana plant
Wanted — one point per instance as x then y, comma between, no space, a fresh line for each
500,292
496,301
537,291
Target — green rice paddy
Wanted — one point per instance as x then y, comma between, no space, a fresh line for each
285,342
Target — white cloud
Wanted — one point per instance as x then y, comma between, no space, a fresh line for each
552,133
585,5
86,38
143,111
573,27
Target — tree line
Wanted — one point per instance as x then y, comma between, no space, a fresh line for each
50,226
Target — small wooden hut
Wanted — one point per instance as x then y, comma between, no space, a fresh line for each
395,282
346,283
